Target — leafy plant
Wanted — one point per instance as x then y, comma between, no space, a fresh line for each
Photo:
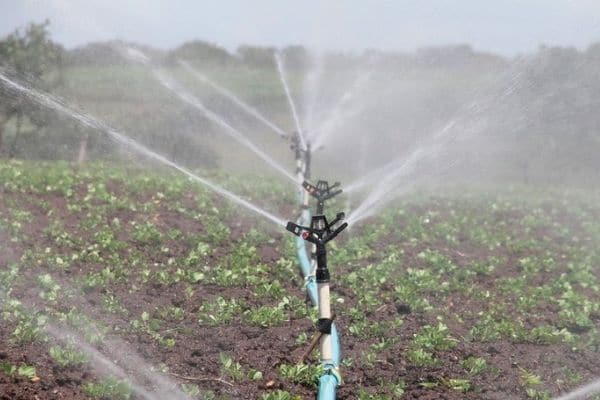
24,370
266,316
67,356
221,311
301,373
231,368
108,388
279,395
475,365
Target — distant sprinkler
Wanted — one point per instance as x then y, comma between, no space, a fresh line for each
322,192
302,155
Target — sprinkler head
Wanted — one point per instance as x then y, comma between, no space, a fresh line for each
322,191
320,230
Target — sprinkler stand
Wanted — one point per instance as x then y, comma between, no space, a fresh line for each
319,234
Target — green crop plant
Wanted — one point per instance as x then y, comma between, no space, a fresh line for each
240,268
172,313
27,371
112,304
23,370
29,328
108,388
106,276
50,289
493,325
192,390
201,251
420,357
279,395
231,368
301,373
461,385
297,308
362,394
146,233
266,316
93,332
216,231
435,337
107,240
387,390
153,328
536,394
271,289
67,356
302,338
219,312
528,378
475,365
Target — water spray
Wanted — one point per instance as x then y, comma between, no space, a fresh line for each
291,103
303,170
319,233
173,85
235,99
56,104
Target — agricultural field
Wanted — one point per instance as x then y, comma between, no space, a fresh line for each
109,271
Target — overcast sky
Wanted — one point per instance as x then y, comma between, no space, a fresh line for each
503,26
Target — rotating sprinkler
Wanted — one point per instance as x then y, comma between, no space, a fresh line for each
319,233
321,192
302,156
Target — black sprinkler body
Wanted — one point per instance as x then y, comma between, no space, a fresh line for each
319,233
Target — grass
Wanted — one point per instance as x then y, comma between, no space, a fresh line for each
431,285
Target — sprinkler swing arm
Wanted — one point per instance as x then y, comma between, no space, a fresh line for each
320,230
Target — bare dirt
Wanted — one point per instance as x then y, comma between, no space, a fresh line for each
197,349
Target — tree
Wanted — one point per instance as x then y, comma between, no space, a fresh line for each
31,55
201,51
256,56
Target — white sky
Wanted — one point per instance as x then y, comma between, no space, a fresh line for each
503,26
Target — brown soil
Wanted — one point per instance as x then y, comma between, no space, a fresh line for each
197,354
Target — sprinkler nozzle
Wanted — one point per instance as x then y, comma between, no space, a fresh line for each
294,228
